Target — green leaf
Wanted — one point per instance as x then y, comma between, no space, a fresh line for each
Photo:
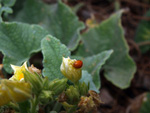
58,19
18,42
145,108
143,33
53,51
33,12
9,3
5,7
88,79
94,63
120,68
6,10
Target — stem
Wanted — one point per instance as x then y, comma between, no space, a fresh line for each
34,104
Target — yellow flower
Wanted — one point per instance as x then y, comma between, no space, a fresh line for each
15,91
4,98
18,72
22,73
71,70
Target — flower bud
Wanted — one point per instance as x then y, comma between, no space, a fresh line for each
72,95
71,69
58,86
16,90
45,96
83,89
34,79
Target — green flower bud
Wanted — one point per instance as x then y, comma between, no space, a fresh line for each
71,69
34,79
83,88
73,95
45,96
58,86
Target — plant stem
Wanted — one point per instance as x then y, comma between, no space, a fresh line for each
34,104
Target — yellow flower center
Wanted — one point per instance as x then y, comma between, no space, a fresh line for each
21,76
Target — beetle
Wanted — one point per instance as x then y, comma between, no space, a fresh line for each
78,64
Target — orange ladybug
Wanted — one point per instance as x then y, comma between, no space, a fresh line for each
78,64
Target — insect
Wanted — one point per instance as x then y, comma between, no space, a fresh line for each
78,64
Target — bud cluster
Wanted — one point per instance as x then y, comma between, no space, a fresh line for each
27,83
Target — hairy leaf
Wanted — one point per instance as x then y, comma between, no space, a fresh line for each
87,78
120,68
18,42
58,19
53,51
94,63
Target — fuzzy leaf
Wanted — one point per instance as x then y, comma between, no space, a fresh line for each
58,19
53,51
120,68
18,42
94,63
8,3
87,78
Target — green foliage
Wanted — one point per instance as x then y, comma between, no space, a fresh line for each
94,63
87,78
53,51
53,18
109,35
18,42
33,12
9,3
5,7
143,33
58,19
146,104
